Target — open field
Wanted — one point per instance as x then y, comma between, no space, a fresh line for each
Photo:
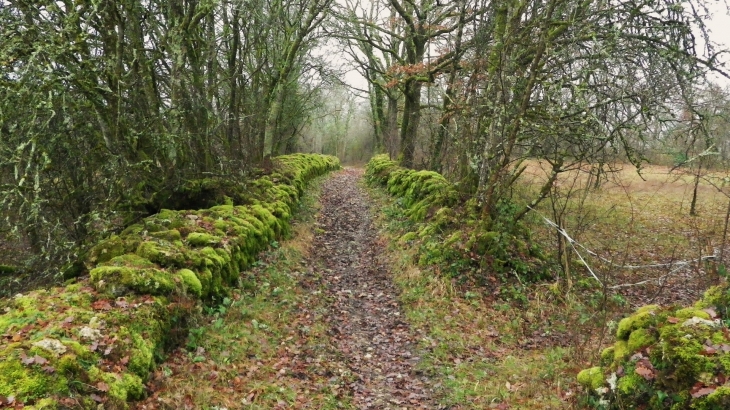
640,220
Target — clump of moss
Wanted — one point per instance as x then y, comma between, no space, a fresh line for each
643,318
111,248
119,280
191,282
202,239
639,339
672,351
591,378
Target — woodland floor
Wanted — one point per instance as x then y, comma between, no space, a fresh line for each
326,330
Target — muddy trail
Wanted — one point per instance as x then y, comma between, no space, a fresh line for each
366,322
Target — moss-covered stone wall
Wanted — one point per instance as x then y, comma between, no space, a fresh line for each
450,232
96,340
423,192
667,358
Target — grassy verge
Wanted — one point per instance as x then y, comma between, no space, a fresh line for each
266,346
484,353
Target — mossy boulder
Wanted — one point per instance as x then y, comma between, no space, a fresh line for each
202,239
110,248
591,378
681,352
452,233
134,274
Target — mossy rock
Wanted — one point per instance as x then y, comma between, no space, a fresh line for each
119,280
640,338
111,248
162,252
644,317
670,350
202,239
170,235
191,282
591,378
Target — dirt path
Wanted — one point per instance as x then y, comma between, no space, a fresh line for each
365,320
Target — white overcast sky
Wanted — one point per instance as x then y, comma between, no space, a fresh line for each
718,25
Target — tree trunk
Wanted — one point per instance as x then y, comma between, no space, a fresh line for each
411,119
391,127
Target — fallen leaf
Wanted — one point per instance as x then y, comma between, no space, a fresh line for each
704,391
647,374
101,305
96,398
102,386
39,360
708,350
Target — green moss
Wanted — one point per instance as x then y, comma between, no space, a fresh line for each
648,308
682,348
607,356
643,318
68,364
620,350
127,387
631,384
28,382
591,378
141,359
120,280
131,261
202,239
717,297
688,313
639,339
43,404
163,252
717,400
191,282
171,235
454,238
111,248
408,237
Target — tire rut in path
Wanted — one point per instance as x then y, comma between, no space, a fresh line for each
366,322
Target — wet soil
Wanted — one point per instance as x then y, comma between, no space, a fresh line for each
365,319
